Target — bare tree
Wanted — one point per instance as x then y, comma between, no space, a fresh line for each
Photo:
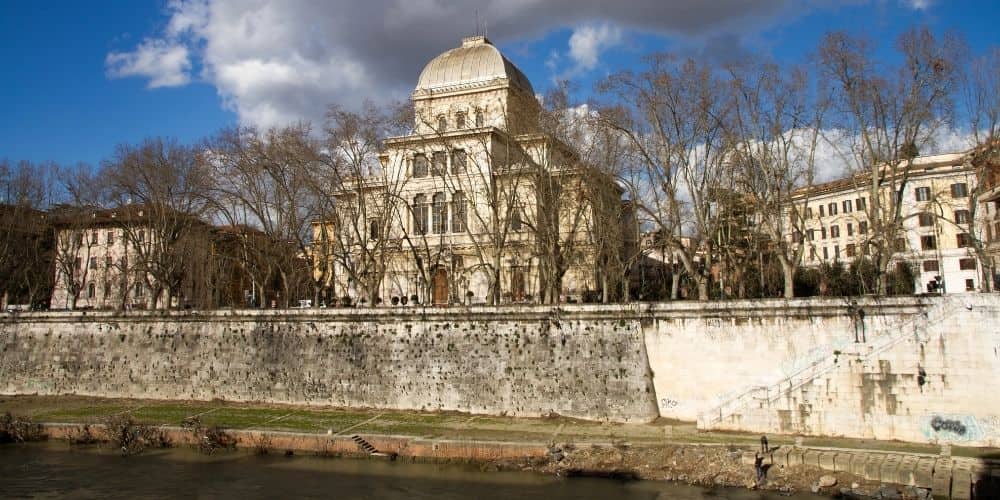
888,113
360,200
980,97
776,125
264,180
26,247
674,116
160,187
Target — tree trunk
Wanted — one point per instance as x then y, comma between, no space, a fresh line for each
702,288
788,272
675,285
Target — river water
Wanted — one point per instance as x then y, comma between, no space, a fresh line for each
56,470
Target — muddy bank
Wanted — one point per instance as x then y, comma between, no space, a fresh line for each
710,466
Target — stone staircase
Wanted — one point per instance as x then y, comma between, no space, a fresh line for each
762,397
363,445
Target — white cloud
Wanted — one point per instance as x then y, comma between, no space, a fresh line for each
164,63
275,61
918,4
588,42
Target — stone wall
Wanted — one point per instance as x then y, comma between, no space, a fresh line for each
930,379
492,361
922,373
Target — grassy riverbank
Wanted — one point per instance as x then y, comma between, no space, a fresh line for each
448,426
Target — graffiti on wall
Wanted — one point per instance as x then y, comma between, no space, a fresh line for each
960,428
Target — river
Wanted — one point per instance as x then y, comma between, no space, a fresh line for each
56,470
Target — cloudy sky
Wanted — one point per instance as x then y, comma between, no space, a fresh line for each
82,77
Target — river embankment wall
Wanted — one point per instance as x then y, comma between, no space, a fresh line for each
921,369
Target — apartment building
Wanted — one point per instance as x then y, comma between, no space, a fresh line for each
937,222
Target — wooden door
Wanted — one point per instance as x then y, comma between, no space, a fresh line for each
517,285
439,287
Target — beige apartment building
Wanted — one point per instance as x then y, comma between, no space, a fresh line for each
476,202
937,236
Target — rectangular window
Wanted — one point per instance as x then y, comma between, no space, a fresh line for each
931,266
91,291
863,227
967,264
420,214
963,240
374,228
458,211
923,193
93,263
439,214
848,208
79,238
850,229
440,165
851,250
821,214
859,203
515,219
822,233
928,243
900,244
811,234
809,213
460,119
78,264
959,190
826,254
419,165
835,231
836,251
925,219
458,160
970,285
93,237
107,262
832,209
961,216
110,237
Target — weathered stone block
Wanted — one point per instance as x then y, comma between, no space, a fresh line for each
961,484
842,462
795,456
873,467
941,486
858,463
889,472
810,458
827,459
780,456
906,471
923,474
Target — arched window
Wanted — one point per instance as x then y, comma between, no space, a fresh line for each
442,123
460,119
458,208
458,160
480,121
419,165
420,214
440,213
91,291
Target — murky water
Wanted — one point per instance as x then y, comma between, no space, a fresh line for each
55,470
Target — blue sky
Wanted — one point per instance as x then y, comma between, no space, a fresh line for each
83,77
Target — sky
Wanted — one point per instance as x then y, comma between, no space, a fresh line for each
83,77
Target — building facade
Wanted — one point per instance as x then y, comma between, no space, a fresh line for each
476,205
938,224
